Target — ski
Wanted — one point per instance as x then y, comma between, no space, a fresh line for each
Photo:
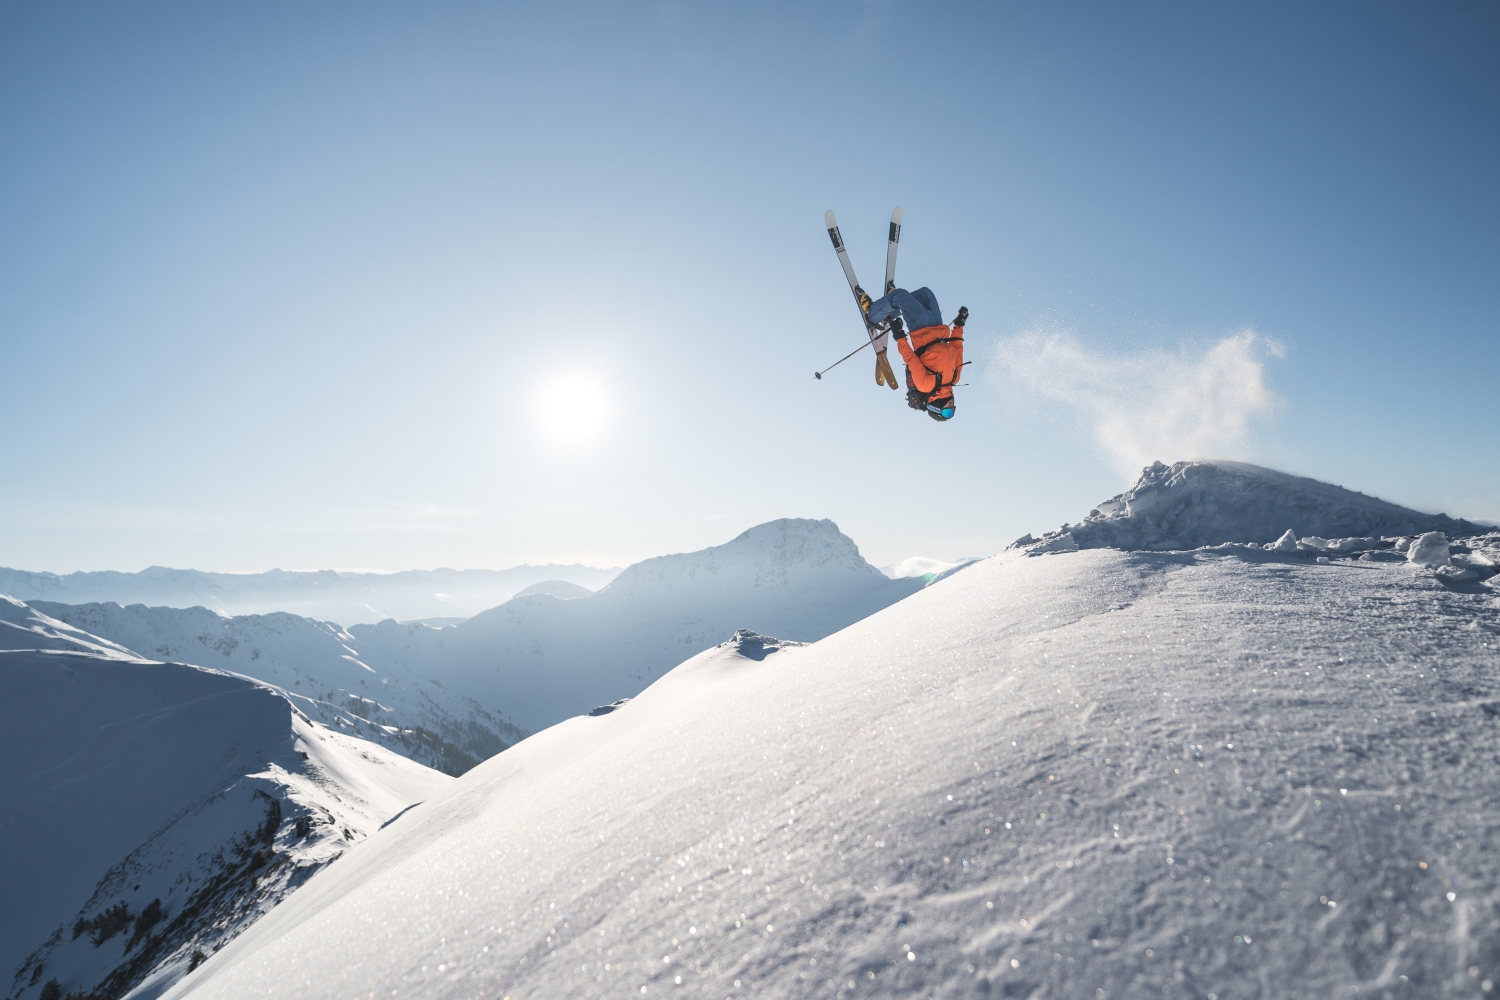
892,241
861,297
878,337
883,373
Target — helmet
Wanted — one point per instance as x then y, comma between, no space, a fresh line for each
943,412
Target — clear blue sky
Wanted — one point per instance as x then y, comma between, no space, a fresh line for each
408,285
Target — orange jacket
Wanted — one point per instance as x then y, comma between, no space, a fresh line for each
934,357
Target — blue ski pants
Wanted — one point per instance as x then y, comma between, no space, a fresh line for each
917,309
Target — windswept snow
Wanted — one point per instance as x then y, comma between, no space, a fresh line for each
149,811
1215,773
326,595
1192,504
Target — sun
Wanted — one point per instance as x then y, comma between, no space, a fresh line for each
572,410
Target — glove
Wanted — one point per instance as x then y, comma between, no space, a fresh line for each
962,317
896,329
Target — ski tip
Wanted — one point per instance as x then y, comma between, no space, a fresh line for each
828,219
895,216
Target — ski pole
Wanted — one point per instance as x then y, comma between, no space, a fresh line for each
861,347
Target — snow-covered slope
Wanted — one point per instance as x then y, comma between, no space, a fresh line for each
1192,504
1217,773
315,662
150,811
326,595
544,659
24,627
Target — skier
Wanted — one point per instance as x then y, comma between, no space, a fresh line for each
934,353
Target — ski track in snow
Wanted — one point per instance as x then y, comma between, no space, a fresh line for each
1093,773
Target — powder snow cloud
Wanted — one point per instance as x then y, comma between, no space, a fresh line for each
1196,402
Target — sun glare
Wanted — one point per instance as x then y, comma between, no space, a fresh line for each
572,410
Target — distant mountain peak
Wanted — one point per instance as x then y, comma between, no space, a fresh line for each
563,590
769,554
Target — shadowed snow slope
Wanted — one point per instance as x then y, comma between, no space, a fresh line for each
1193,504
328,595
1090,773
316,663
151,810
543,659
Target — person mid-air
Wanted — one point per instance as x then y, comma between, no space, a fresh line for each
933,351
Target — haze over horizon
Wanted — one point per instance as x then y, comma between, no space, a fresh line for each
465,286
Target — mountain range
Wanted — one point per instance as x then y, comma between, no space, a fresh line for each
315,663
1251,767
324,595
1181,750
452,695
545,659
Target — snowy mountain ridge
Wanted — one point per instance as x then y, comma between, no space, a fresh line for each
25,627
778,554
314,662
1190,505
452,696
162,808
546,659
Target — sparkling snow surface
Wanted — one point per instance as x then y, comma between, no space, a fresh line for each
1223,773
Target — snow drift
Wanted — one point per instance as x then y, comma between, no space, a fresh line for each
150,811
1225,772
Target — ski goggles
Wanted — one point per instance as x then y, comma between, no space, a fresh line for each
945,412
